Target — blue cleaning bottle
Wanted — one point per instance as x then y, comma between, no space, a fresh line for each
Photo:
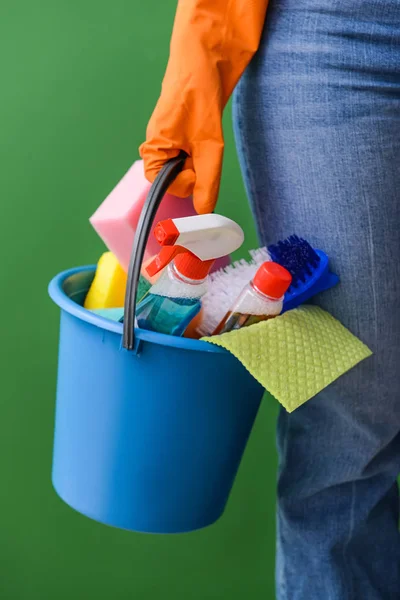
190,247
175,299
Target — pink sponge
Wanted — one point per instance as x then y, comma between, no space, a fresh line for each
117,217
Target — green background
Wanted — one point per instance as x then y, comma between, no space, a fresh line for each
79,79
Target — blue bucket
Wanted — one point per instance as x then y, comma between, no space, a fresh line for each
150,429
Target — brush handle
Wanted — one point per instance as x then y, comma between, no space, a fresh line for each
325,282
165,177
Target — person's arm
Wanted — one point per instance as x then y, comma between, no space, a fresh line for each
211,45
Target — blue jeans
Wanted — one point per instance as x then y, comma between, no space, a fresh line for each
317,124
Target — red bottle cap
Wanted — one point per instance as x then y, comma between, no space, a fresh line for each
272,280
188,265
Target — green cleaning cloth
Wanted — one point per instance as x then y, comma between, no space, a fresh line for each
296,355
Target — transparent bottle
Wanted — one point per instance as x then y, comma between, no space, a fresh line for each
260,300
175,299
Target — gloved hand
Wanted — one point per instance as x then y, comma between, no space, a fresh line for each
212,43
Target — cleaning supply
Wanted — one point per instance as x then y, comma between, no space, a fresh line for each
261,299
212,43
109,284
190,246
309,269
175,299
296,355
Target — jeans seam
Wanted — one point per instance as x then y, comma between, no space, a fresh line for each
347,567
284,587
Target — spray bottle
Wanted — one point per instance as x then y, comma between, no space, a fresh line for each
190,246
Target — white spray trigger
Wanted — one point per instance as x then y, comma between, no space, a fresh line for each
208,236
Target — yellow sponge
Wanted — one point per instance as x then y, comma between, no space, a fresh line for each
109,284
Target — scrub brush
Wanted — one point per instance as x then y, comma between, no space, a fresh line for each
309,269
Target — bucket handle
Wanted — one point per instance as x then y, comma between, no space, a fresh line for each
165,177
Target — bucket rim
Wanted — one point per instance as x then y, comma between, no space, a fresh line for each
60,298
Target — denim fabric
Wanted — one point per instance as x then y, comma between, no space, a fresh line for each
317,124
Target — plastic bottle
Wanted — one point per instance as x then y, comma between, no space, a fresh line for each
175,299
190,247
261,299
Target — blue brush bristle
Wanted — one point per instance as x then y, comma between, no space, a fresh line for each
297,256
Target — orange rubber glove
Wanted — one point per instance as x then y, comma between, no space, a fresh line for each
211,45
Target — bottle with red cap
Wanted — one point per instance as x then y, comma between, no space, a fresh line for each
189,248
260,300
